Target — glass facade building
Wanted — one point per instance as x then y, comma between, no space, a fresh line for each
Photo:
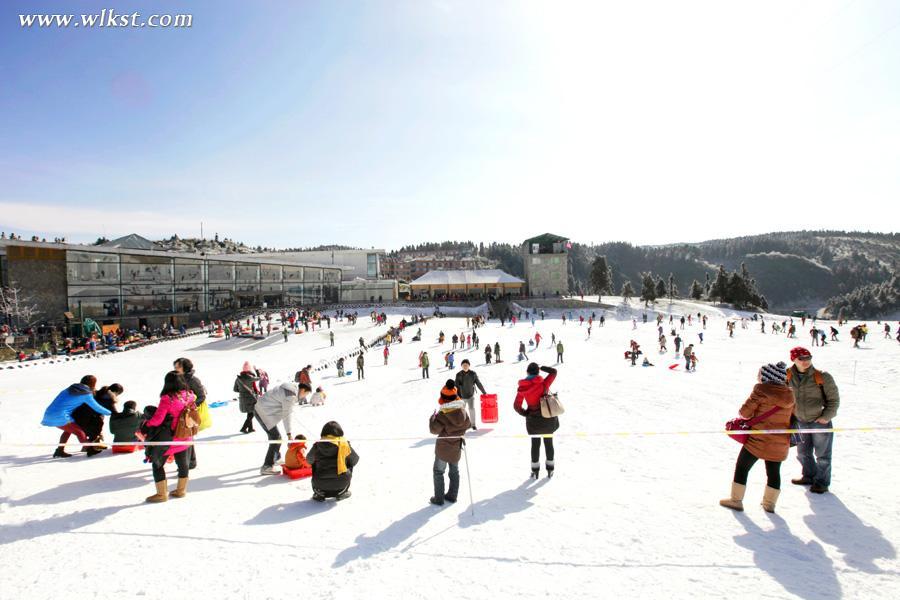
104,284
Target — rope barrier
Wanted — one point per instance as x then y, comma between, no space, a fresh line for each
577,434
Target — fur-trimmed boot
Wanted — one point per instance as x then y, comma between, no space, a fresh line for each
736,501
770,497
181,488
535,470
162,493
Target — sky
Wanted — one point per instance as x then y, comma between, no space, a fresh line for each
376,123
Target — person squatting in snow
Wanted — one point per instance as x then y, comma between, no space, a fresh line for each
332,459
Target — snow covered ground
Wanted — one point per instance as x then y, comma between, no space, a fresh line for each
625,515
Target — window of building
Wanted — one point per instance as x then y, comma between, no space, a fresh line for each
246,273
270,273
148,269
219,271
535,260
372,265
92,272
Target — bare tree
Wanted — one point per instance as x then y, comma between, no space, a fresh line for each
18,308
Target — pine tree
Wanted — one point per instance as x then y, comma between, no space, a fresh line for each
648,288
696,290
627,291
673,289
601,276
719,289
660,288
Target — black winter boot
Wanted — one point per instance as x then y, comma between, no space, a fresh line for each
535,470
60,453
550,468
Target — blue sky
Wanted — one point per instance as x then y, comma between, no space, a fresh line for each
386,123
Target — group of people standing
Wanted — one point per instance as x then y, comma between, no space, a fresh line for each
796,397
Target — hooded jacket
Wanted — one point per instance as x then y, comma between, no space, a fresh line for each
170,406
531,389
763,398
123,425
245,386
59,413
450,421
277,405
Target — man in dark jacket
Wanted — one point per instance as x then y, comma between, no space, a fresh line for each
817,401
360,367
466,381
449,423
185,367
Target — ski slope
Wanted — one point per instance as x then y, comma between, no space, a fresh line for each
625,515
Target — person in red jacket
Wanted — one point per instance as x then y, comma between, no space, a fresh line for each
530,390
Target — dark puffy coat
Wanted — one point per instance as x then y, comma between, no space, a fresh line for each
323,459
764,397
245,386
123,425
449,423
196,387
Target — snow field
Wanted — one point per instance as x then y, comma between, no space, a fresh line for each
625,515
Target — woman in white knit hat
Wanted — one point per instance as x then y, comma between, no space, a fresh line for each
771,403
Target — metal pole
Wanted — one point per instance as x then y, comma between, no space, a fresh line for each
469,480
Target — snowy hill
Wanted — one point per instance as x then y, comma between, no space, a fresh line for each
631,512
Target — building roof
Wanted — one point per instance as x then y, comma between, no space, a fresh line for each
131,241
475,277
546,238
190,256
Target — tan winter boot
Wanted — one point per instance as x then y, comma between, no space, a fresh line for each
770,497
161,495
181,489
736,502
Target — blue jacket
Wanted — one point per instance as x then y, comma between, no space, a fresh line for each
59,412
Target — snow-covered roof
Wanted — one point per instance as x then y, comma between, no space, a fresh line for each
470,277
132,242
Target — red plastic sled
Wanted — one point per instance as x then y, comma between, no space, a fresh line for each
124,449
296,473
674,366
489,412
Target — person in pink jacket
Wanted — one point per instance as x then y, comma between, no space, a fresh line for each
174,397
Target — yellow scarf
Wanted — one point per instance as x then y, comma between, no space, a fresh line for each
343,452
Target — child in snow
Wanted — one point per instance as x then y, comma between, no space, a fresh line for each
318,399
340,366
295,457
332,460
123,425
450,421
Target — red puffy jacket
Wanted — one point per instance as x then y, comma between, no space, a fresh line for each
531,390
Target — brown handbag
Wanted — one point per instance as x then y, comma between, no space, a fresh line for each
188,422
